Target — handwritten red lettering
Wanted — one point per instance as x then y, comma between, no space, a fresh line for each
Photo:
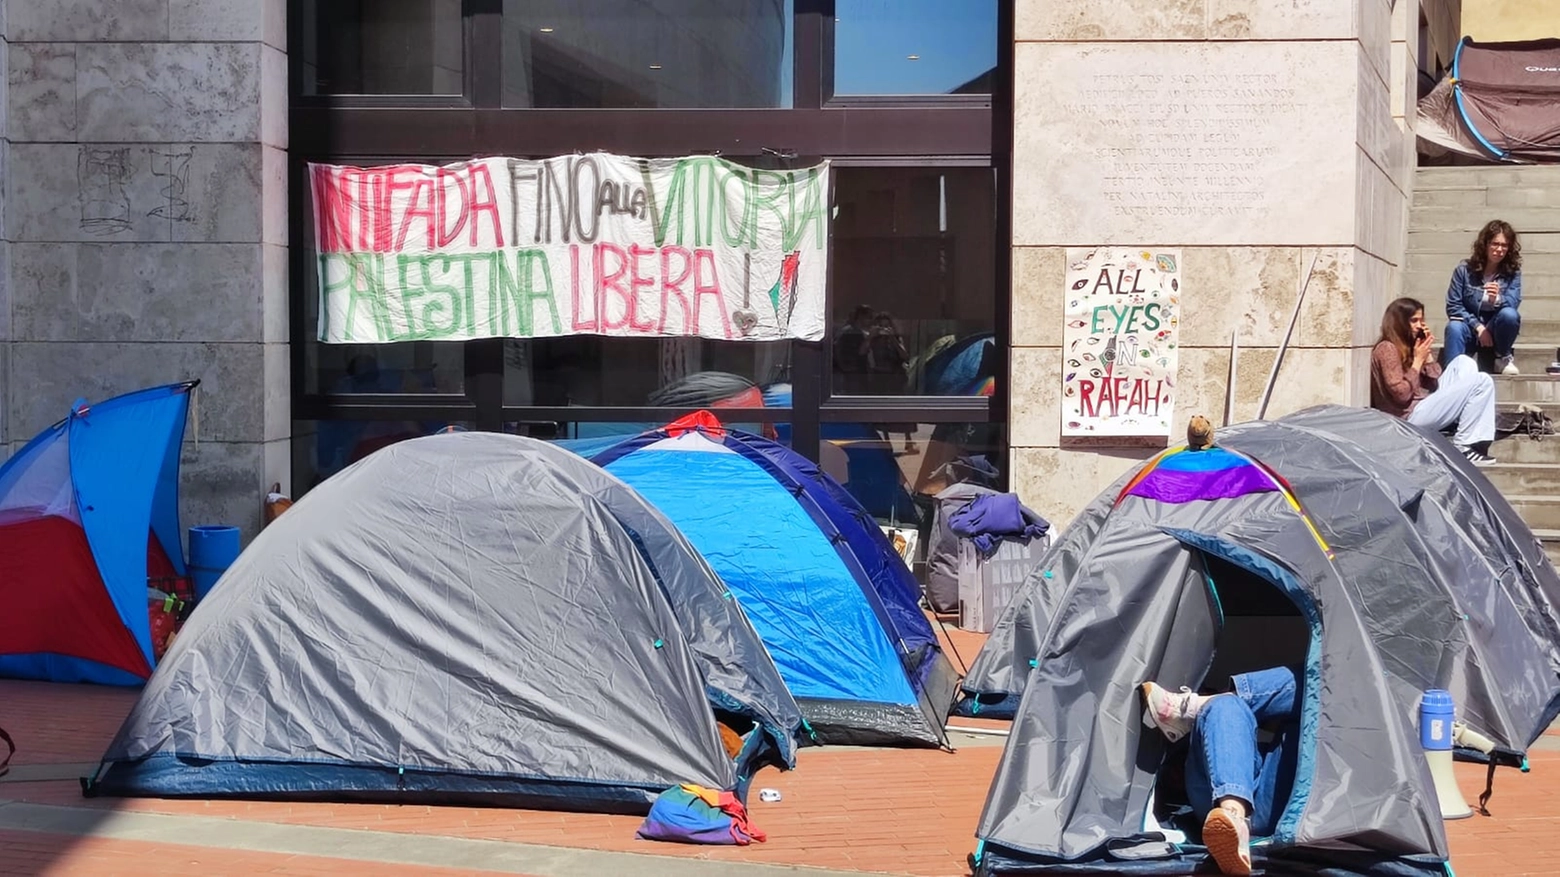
637,281
703,258
671,287
574,293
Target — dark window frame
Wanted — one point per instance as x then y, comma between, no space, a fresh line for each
877,130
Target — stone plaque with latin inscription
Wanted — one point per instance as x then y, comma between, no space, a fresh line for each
1182,143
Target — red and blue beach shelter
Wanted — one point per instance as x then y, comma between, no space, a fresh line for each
89,519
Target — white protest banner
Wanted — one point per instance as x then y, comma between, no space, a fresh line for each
1119,341
581,244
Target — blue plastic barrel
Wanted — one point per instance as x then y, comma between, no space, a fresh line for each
212,551
1436,712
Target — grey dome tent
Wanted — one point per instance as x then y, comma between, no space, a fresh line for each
1342,539
462,618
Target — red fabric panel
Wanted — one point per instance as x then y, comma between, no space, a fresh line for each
52,598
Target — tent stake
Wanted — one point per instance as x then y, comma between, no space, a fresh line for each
1278,358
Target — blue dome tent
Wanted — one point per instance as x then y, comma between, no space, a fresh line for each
835,606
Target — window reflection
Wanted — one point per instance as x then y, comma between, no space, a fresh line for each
914,47
914,282
641,372
406,47
321,448
647,53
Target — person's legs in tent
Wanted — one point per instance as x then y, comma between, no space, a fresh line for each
1237,773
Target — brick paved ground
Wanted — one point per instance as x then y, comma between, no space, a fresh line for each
877,810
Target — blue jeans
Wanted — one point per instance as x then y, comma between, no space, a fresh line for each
1227,761
1459,339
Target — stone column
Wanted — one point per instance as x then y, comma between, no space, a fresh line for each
147,209
1255,137
5,245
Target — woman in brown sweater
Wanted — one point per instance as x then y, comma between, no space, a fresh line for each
1406,382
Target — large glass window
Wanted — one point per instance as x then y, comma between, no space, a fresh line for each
914,281
647,54
417,367
889,402
914,47
402,47
646,372
321,448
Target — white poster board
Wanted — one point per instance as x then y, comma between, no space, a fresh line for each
1119,341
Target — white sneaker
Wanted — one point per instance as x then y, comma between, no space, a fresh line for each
1506,365
1173,713
1228,839
1477,458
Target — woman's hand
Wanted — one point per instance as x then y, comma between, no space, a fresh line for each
1422,350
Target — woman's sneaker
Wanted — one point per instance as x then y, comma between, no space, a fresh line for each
1228,839
1506,365
1478,457
1173,713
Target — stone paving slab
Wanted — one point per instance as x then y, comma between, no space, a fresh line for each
844,810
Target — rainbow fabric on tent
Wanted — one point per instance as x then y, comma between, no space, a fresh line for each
1182,475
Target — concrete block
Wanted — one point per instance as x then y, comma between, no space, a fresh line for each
1375,130
42,99
275,280
1253,290
1043,20
83,192
235,21
212,192
273,97
1038,276
1303,20
139,292
133,192
5,296
169,292
277,391
273,196
1036,396
231,395
275,33
220,483
1185,143
168,92
87,20
43,291
1373,28
278,465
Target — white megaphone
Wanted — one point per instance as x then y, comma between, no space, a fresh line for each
1437,714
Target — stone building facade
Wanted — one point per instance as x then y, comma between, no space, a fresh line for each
149,200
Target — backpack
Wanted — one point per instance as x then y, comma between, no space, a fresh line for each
1528,420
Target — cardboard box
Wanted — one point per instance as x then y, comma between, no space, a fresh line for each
987,584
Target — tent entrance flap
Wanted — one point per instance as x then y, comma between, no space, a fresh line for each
1263,568
1262,627
1258,627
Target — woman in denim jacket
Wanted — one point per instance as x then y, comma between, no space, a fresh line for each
1483,298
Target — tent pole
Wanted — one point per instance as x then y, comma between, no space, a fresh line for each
1278,358
1229,390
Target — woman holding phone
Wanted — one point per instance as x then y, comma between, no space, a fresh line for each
1483,298
1406,382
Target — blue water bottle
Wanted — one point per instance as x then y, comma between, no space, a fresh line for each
1436,713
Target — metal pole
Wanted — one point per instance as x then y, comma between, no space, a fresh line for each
1229,390
1267,392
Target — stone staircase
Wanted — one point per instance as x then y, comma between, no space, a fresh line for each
1450,205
